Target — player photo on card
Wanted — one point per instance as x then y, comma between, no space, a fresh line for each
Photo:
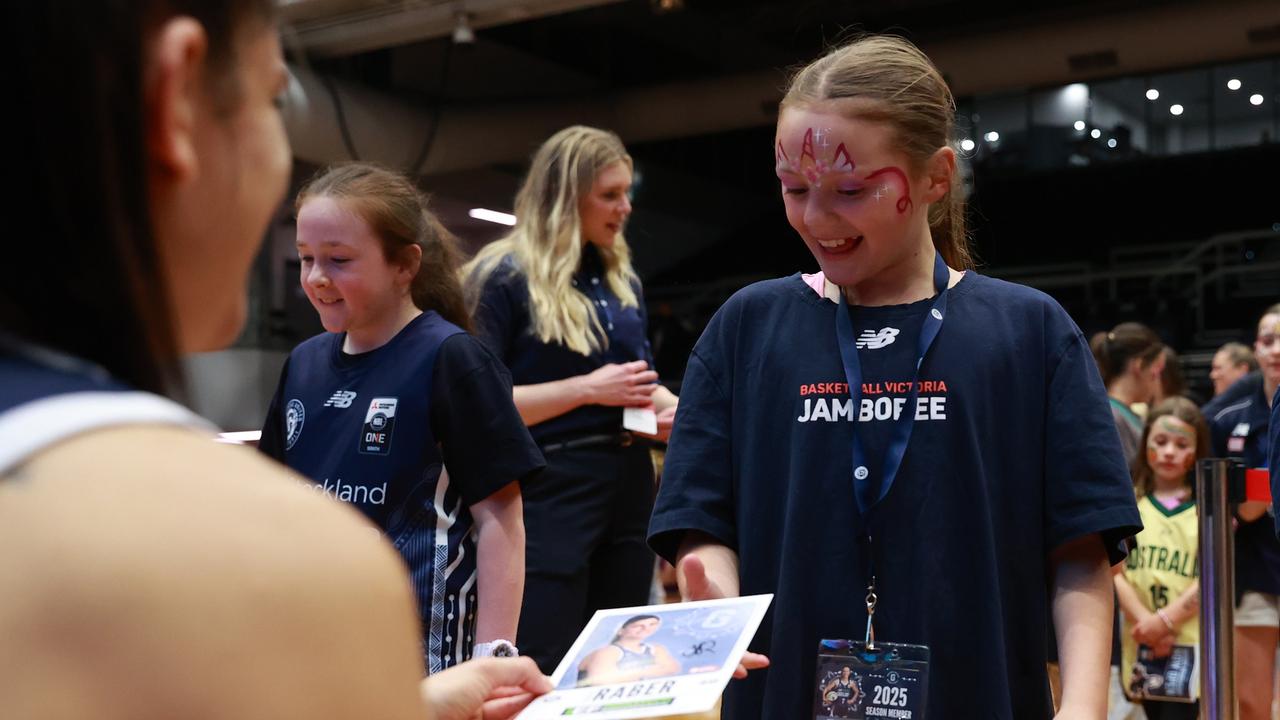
652,661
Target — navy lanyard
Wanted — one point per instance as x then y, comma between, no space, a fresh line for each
900,434
863,484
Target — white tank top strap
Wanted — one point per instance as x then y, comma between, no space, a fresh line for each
34,426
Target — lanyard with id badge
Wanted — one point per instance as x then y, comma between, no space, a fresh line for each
868,678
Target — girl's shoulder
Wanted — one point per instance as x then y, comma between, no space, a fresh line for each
218,545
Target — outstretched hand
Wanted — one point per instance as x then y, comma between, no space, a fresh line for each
691,577
484,689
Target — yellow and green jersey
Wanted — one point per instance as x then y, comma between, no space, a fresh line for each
1162,566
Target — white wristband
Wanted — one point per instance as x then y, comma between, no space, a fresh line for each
495,648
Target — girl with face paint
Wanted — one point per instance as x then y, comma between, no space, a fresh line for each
1158,585
938,435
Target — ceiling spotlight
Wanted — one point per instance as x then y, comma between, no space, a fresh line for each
967,145
1153,94
1233,84
1095,133
1111,142
1175,109
992,136
462,32
1079,126
1255,99
492,216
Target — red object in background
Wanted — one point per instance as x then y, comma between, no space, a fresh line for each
1257,485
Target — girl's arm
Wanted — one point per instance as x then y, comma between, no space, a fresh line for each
707,569
626,384
499,563
1082,611
1186,606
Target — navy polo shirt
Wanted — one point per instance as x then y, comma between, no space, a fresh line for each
505,326
1013,453
1240,430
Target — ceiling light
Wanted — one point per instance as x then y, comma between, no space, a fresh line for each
1175,109
992,136
1111,142
1095,133
462,32
966,145
1080,125
1233,84
1255,99
492,216
1153,94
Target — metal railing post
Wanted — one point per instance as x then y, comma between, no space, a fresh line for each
1217,591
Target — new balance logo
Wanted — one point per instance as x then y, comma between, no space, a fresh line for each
341,399
872,340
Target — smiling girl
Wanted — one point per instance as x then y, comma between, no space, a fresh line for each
376,409
899,423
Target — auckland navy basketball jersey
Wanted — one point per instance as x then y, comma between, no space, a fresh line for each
360,428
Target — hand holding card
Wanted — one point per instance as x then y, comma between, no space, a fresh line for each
653,661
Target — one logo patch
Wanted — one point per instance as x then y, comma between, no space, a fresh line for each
875,340
294,415
341,399
379,421
1240,430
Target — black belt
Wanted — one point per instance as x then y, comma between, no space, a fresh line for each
622,439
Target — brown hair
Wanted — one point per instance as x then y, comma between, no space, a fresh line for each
908,93
397,212
1182,409
1273,310
83,125
1113,350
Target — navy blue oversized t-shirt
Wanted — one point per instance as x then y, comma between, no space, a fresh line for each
1012,454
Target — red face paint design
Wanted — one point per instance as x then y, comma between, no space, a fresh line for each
810,166
904,202
813,168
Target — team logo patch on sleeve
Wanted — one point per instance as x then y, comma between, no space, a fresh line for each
379,421
294,415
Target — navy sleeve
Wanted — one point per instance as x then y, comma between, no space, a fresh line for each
485,444
271,443
1088,489
1274,461
697,475
496,313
